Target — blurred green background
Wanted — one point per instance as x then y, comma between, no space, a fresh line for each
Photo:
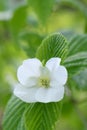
23,25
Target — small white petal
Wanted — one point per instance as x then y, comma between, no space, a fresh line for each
53,63
25,94
44,72
30,68
50,95
32,81
55,84
60,75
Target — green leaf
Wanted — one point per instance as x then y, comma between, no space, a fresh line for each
69,34
54,45
21,125
42,8
77,44
81,80
42,116
31,42
13,114
76,63
18,21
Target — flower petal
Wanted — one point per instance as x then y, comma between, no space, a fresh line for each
59,75
49,95
44,72
29,68
25,94
53,63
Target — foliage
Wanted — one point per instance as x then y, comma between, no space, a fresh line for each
33,31
49,114
44,10
15,109
53,46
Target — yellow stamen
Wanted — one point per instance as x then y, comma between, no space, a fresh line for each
44,82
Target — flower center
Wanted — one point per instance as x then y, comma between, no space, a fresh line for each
44,82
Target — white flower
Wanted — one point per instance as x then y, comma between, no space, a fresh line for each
40,83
